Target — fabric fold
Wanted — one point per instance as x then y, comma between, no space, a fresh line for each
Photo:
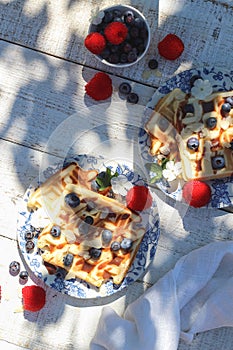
195,296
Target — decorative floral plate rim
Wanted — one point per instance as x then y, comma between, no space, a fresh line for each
74,287
221,80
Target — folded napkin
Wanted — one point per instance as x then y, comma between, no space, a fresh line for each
195,296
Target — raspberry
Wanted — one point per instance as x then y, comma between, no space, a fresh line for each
138,198
34,298
196,193
116,32
95,43
171,47
99,87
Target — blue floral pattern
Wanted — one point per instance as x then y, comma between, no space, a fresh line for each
78,288
222,189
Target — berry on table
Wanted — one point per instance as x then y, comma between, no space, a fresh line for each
14,268
23,276
138,198
171,47
124,88
99,87
196,193
132,98
29,246
34,298
153,63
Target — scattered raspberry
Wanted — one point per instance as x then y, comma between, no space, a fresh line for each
138,198
196,193
116,32
34,298
171,47
99,87
95,42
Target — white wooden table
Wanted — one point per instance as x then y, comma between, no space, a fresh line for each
43,70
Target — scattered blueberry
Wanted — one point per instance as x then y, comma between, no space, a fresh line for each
153,63
115,246
29,235
211,122
132,98
72,200
89,220
125,88
126,244
68,259
55,231
193,143
23,275
95,253
218,162
225,109
29,246
14,268
106,236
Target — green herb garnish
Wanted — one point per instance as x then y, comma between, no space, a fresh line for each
104,178
157,171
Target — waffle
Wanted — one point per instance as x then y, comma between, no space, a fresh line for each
188,116
78,237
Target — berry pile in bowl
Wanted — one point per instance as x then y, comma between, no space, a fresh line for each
119,36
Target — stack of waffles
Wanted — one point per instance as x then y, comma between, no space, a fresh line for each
199,133
73,237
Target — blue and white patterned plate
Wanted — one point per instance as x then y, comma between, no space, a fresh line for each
222,189
74,287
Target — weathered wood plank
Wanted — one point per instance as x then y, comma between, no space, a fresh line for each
59,28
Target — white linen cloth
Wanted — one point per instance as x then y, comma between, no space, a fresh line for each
195,296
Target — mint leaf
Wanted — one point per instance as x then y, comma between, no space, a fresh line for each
104,179
156,170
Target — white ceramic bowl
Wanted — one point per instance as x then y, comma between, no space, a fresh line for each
122,8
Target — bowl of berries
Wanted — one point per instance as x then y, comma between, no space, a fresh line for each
118,36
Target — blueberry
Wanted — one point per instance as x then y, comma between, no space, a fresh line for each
126,244
218,162
28,235
116,13
114,58
193,143
211,122
125,88
106,236
153,63
129,17
14,268
105,53
68,259
89,220
23,275
95,253
194,78
108,17
115,246
138,22
132,56
225,109
127,47
29,246
230,100
132,98
55,231
134,32
123,58
72,200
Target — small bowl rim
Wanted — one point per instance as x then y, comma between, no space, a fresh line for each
124,65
